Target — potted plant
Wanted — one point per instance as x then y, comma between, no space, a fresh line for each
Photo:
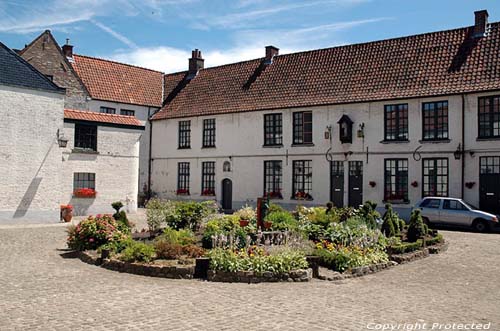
67,213
414,183
372,183
208,192
267,225
244,223
470,185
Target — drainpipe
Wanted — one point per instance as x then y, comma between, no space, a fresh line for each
148,195
463,145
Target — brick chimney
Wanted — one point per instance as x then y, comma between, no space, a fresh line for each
196,62
481,23
271,52
68,49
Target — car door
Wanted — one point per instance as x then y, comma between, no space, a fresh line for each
430,208
455,213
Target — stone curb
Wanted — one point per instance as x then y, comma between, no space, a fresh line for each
302,275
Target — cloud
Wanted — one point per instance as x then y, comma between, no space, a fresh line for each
115,34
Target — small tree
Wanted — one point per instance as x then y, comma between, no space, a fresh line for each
416,228
121,217
369,214
390,227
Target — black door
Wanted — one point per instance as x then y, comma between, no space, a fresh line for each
355,183
227,195
337,183
489,184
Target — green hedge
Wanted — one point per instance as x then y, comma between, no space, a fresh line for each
411,247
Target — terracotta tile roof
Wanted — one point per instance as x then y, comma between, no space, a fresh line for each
90,116
438,63
118,82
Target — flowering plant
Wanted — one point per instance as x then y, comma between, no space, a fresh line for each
208,192
372,183
275,194
94,232
182,191
414,183
85,193
302,195
66,207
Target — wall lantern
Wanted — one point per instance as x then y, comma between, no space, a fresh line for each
61,139
361,130
328,132
458,153
345,131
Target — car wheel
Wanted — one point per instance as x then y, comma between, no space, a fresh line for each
480,226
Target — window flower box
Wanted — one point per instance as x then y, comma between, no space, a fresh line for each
274,195
182,192
301,195
208,192
88,193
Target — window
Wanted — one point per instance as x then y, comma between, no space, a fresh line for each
183,178
453,205
435,177
489,165
108,110
208,178
209,132
185,134
345,129
302,180
273,179
273,130
489,117
86,136
435,120
83,180
127,112
396,122
396,180
431,203
302,128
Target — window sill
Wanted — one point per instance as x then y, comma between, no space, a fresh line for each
303,145
184,147
208,147
394,141
272,146
83,151
207,195
434,141
487,138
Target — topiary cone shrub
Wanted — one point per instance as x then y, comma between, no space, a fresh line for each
416,228
390,226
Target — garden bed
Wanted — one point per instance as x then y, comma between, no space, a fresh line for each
303,275
419,254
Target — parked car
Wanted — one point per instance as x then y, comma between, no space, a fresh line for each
455,212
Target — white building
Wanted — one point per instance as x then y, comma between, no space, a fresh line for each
30,158
388,121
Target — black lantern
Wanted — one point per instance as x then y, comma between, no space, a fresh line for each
61,139
458,153
345,131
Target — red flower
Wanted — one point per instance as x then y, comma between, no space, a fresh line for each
208,192
182,191
84,193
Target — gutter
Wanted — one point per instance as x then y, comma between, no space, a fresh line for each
463,146
148,194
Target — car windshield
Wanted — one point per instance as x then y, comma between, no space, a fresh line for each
469,205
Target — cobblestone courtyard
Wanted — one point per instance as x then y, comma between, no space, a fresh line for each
41,290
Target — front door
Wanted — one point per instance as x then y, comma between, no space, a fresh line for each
489,184
227,195
337,183
355,183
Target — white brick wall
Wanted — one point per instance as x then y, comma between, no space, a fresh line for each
30,158
115,167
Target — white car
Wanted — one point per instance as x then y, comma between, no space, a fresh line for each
455,212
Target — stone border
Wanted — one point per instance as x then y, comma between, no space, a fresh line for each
419,254
174,272
302,275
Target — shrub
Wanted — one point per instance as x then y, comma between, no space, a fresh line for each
193,251
246,213
433,241
94,232
402,248
391,224
166,250
226,225
181,237
282,221
137,252
416,229
274,207
369,214
257,260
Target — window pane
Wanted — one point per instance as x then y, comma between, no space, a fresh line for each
86,136
184,134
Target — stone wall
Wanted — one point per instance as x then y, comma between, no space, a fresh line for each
252,277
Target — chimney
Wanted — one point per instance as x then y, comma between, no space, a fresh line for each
271,52
196,62
481,23
68,49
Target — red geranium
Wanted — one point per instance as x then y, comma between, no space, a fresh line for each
85,193
208,192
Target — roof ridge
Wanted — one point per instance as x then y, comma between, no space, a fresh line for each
90,111
116,62
339,46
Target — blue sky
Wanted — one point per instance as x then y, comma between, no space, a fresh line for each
160,34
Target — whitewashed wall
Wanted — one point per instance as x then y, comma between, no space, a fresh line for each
240,139
30,158
142,113
115,166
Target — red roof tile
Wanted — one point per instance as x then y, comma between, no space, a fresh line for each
118,82
438,63
91,116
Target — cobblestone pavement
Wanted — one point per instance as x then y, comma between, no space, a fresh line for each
41,290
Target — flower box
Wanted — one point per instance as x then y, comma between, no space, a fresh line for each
85,193
244,223
208,192
274,195
300,195
182,192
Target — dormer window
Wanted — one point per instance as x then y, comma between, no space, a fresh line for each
345,131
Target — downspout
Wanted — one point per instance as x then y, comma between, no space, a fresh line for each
148,194
463,145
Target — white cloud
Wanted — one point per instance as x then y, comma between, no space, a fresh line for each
115,34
